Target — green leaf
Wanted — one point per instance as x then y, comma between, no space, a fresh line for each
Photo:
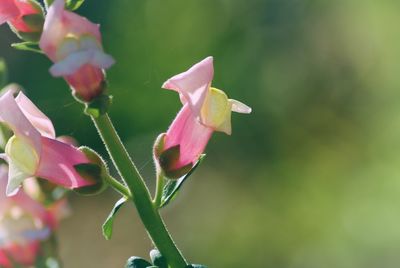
157,259
196,266
27,46
3,73
74,4
136,262
108,224
172,187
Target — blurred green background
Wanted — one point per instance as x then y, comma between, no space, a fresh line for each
310,179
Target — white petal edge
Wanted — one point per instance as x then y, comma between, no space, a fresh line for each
240,107
15,179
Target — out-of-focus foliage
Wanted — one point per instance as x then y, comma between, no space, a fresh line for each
310,179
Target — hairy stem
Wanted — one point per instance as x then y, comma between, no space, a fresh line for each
148,213
119,187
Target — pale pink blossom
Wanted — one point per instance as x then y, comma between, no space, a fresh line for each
13,12
73,43
205,110
24,222
34,151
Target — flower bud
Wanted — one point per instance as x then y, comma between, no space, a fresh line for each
74,44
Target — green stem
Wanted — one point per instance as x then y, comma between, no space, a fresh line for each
119,187
140,195
159,190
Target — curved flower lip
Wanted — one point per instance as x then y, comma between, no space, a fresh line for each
38,119
15,119
76,60
193,84
209,105
34,143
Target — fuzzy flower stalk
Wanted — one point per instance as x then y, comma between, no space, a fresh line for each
74,45
205,110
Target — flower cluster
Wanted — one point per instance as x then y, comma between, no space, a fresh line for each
34,155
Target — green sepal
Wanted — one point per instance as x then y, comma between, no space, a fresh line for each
36,5
33,37
98,106
34,21
109,222
27,46
172,187
167,160
48,3
3,73
136,262
74,4
90,172
157,259
95,171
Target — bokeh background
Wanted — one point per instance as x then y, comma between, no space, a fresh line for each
310,179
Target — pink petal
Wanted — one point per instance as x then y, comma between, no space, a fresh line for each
22,200
4,261
24,8
8,10
187,132
4,200
86,81
24,254
193,84
39,120
13,117
57,164
36,209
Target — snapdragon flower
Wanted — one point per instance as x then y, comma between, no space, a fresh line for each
205,109
34,151
73,43
24,223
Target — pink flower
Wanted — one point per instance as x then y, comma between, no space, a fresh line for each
205,110
14,11
73,43
24,223
34,151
